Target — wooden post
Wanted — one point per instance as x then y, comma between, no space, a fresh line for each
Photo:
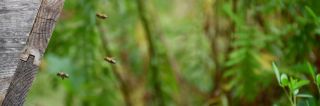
16,19
33,51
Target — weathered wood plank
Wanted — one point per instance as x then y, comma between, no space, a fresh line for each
42,29
32,53
21,82
16,20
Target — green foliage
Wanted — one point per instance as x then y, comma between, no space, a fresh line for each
284,80
291,86
276,71
315,77
318,79
194,43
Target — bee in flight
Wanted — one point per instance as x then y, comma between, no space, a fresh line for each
110,60
101,16
62,75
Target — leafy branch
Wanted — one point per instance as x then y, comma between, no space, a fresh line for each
316,78
290,85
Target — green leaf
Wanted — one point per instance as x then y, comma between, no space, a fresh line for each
276,71
300,84
317,31
295,92
238,19
311,70
311,13
284,80
304,96
318,79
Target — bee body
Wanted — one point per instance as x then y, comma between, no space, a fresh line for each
110,60
62,75
101,16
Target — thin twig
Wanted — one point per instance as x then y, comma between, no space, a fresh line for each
123,85
152,51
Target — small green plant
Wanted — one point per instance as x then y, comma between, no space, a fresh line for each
316,78
290,85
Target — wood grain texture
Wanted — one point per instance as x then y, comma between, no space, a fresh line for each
16,20
42,28
33,51
21,83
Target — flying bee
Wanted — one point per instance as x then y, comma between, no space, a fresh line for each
62,75
101,16
110,60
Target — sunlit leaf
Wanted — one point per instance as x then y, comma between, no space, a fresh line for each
318,79
276,71
311,13
312,72
304,96
317,31
284,80
295,92
300,84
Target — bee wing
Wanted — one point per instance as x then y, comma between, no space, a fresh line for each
67,75
114,61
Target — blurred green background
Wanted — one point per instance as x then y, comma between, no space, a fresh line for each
179,53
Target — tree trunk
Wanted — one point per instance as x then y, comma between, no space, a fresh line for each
37,42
